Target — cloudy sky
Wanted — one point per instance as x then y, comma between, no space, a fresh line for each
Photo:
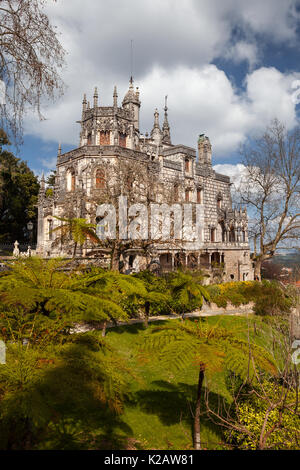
228,67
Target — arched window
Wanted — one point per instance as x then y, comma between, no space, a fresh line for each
176,193
104,138
100,179
187,165
122,140
199,196
219,201
71,180
232,234
187,195
89,139
50,228
213,235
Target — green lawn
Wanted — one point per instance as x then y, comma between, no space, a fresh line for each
158,412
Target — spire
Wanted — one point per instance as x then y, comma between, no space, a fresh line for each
84,103
95,98
166,128
42,182
156,132
115,96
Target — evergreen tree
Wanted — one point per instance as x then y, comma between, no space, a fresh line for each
19,189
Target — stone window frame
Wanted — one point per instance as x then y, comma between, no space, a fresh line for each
98,178
71,185
200,191
219,200
50,228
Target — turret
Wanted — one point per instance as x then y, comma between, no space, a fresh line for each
204,149
132,102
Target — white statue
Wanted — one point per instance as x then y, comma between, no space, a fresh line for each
16,251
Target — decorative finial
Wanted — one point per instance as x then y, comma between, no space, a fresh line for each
115,97
166,128
84,102
42,182
59,149
95,98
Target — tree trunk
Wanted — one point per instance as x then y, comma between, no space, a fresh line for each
74,251
197,440
115,258
104,329
257,270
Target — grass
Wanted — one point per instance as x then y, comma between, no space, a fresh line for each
159,410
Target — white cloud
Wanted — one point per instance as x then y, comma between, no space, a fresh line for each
200,100
174,42
235,172
243,51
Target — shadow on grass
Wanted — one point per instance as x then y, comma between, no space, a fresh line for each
174,404
135,328
70,405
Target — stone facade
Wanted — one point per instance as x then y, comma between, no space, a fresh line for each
114,159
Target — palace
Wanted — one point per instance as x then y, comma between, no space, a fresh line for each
114,159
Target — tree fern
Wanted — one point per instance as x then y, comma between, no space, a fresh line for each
212,348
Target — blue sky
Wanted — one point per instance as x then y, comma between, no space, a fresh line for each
227,67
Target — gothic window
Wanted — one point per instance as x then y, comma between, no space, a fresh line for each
232,235
89,139
187,165
213,235
100,179
243,236
176,193
199,196
71,180
50,228
219,203
122,140
187,195
104,138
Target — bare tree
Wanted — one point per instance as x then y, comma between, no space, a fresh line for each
138,182
270,188
30,58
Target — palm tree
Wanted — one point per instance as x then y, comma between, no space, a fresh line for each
115,285
45,292
212,347
187,287
79,229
